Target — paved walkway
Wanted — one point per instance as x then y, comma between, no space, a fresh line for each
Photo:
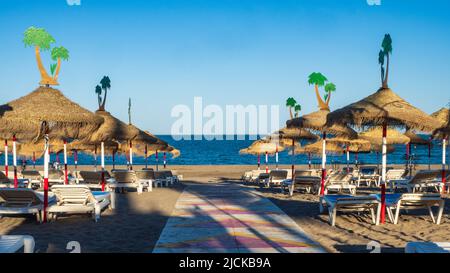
228,218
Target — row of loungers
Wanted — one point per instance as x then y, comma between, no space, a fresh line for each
408,193
82,195
119,179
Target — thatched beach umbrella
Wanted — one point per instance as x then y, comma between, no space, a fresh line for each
295,136
443,132
263,146
383,108
351,146
317,121
316,148
45,114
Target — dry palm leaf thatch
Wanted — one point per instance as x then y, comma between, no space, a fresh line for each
114,130
315,148
383,107
415,139
375,136
26,116
317,121
296,134
262,146
170,149
443,115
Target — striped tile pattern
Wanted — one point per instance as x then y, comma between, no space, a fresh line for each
228,218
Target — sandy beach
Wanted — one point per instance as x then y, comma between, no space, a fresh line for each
137,222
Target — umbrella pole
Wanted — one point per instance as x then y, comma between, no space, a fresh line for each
66,175
146,157
324,166
165,160
75,159
113,159
309,161
429,153
276,158
95,158
293,160
407,157
16,181
131,156
6,158
267,162
444,144
157,160
259,162
348,159
46,162
34,161
103,165
383,175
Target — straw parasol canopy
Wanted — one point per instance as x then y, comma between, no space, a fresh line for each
316,148
443,115
262,146
296,134
114,130
353,144
25,116
317,121
415,139
374,136
383,107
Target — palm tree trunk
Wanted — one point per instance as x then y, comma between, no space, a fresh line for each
385,83
45,78
328,99
58,68
322,105
290,112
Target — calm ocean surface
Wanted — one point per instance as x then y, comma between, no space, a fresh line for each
226,152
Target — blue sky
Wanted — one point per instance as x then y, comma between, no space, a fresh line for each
163,53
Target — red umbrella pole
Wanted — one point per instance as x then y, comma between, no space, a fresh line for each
46,162
348,158
16,181
324,164
267,162
66,173
383,175
75,159
259,161
6,158
131,155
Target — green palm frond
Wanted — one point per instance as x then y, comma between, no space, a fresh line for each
290,102
34,36
317,78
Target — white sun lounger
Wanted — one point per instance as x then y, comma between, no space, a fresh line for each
13,243
412,201
421,180
427,247
340,182
126,180
348,203
23,201
78,199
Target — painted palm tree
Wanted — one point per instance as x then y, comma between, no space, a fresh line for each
319,80
385,53
41,40
297,110
58,54
329,88
98,91
290,103
105,84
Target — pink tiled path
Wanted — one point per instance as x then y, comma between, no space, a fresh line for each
228,218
